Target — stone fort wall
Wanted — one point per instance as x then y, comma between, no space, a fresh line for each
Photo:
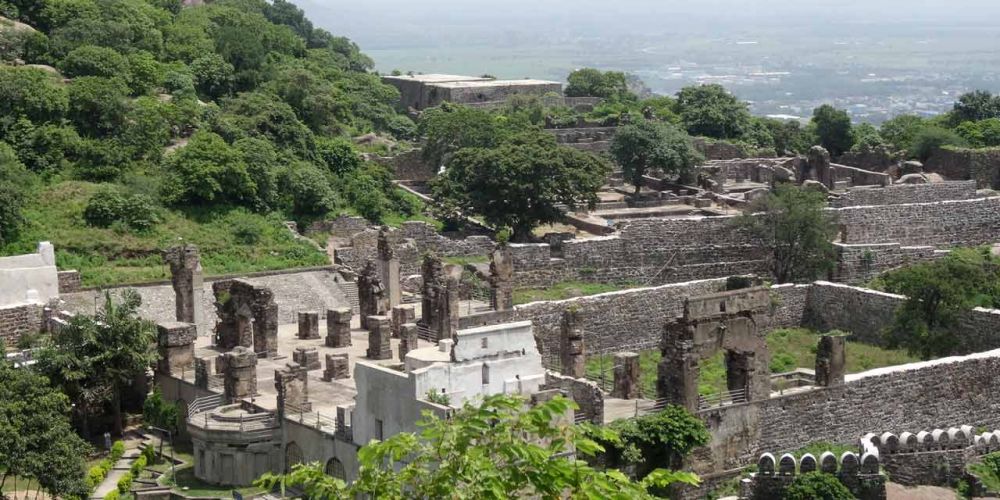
901,194
16,321
946,223
980,165
857,264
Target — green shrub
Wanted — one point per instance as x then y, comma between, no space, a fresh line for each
158,412
110,206
817,486
246,229
112,495
125,483
992,462
117,450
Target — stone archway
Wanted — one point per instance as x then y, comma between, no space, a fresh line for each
293,455
335,468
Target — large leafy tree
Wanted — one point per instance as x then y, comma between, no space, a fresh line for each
590,82
900,131
36,440
794,223
496,450
95,357
711,111
648,145
932,138
937,292
30,93
975,106
449,128
521,183
833,129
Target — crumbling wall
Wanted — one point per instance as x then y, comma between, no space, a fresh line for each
857,264
860,177
408,166
410,242
900,194
946,223
980,165
16,321
587,395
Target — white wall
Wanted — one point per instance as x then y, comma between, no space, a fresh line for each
30,278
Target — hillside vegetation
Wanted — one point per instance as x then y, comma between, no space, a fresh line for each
129,125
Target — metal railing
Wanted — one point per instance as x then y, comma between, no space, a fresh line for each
426,334
732,397
324,423
205,403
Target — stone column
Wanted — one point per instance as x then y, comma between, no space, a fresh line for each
408,339
572,353
307,358
239,373
819,165
372,300
265,327
626,376
831,360
379,333
186,278
402,315
677,374
502,279
337,367
175,345
431,270
202,370
309,325
388,269
450,305
292,384
338,327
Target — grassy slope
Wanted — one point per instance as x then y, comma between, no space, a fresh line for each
564,290
790,348
106,256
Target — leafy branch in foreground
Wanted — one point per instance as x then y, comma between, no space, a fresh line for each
497,449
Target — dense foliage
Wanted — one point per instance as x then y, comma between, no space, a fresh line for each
937,293
793,221
833,129
590,82
234,103
493,450
36,440
648,145
817,486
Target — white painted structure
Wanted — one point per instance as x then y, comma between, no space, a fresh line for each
480,361
30,278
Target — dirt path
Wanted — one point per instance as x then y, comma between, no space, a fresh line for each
895,491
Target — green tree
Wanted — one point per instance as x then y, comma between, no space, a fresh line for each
590,82
937,293
256,114
158,412
817,486
207,170
793,222
307,190
213,76
36,440
657,441
94,61
98,105
932,138
975,106
448,128
647,145
901,130
789,136
339,155
496,450
15,181
521,183
145,72
833,129
711,111
30,93
865,137
981,134
45,148
102,354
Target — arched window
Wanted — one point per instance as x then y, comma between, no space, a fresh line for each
293,455
335,468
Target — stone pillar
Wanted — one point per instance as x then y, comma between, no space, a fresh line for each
440,305
309,325
202,370
408,339
186,278
831,360
379,333
337,367
338,327
292,384
175,345
307,358
431,270
572,354
502,279
402,315
372,300
265,328
819,165
388,269
239,373
626,376
450,307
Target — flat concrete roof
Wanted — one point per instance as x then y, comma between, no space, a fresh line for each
492,83
436,78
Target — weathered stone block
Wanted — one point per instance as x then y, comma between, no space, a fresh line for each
307,358
338,327
239,373
308,325
831,360
408,339
292,384
175,345
379,334
337,367
402,315
626,376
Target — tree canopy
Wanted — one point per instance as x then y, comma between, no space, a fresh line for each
493,450
590,82
833,129
648,145
711,111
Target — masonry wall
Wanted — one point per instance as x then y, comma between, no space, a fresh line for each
980,165
16,321
857,264
866,314
409,166
943,224
917,396
424,239
899,194
938,468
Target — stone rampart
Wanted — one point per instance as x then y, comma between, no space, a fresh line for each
860,177
408,166
901,194
410,242
858,264
980,165
16,321
943,224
